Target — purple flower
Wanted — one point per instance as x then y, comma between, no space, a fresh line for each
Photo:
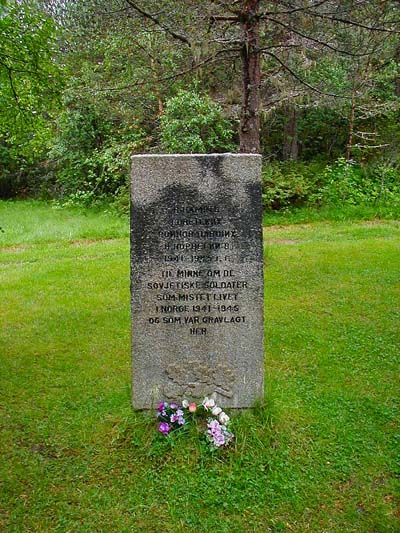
174,418
160,406
181,421
163,428
217,434
173,405
221,439
214,427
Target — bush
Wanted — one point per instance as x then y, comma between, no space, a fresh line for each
92,154
295,184
347,182
194,124
100,175
24,169
290,184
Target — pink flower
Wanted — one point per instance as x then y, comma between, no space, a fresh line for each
163,428
217,434
219,440
213,426
192,407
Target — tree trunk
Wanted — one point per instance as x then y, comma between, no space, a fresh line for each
290,150
397,76
157,87
251,77
351,126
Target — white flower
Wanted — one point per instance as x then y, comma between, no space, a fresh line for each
208,403
185,404
223,418
216,411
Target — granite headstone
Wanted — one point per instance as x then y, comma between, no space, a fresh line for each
196,279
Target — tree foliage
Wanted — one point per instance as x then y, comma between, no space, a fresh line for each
29,74
309,79
29,88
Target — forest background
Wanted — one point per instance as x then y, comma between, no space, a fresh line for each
314,85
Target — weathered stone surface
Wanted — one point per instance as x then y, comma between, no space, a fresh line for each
196,278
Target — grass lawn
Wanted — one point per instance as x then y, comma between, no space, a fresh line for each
322,454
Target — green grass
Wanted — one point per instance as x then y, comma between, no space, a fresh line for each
322,455
54,224
346,213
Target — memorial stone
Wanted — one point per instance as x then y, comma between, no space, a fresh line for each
196,279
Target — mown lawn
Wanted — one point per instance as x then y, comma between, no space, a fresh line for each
323,453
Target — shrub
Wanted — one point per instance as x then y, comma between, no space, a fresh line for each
386,181
24,167
91,155
194,124
347,182
290,184
296,184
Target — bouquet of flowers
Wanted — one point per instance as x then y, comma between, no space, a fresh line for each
173,416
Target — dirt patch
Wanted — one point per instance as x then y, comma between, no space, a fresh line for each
6,264
89,242
14,249
379,223
288,227
50,452
285,242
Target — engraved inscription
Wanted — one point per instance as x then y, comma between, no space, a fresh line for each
194,268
